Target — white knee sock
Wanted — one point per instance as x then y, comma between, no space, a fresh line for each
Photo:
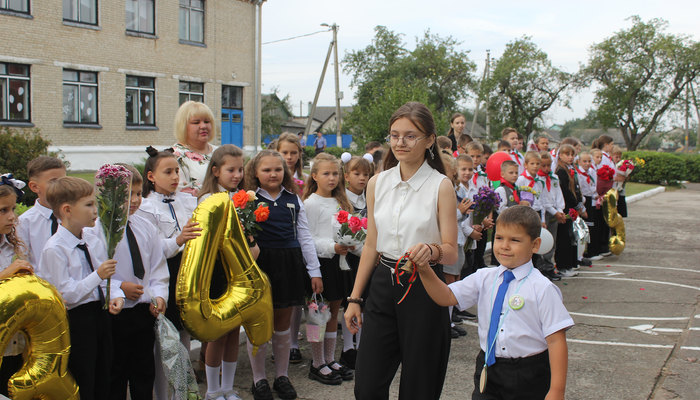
257,363
347,335
213,384
329,347
280,348
228,375
295,323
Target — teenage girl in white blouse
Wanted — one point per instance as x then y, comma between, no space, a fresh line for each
411,209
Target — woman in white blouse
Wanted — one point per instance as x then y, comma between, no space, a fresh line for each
195,128
411,209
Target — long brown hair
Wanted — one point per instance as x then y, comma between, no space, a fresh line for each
293,139
601,141
452,119
567,149
338,192
252,182
218,159
420,116
18,245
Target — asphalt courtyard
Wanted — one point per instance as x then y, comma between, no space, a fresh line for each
637,332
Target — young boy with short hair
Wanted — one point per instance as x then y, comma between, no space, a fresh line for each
75,261
512,136
504,145
485,157
444,144
529,178
462,143
521,143
39,223
553,202
522,318
507,190
476,150
542,143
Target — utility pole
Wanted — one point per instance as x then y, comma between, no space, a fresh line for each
687,150
312,111
697,113
339,138
476,110
488,75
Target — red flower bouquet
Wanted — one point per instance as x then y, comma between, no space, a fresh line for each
248,214
351,230
572,214
605,180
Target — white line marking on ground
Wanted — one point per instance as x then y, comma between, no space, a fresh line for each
649,266
622,317
692,328
607,273
643,280
651,346
690,348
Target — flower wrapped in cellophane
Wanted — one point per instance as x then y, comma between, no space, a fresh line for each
528,194
486,201
112,192
316,318
625,167
350,230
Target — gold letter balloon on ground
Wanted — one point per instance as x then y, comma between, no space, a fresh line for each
31,305
247,300
615,222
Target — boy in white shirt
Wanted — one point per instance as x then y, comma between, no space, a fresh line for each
39,223
587,183
68,262
529,178
524,321
553,203
511,135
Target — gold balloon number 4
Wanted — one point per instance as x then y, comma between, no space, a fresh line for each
247,300
33,306
614,220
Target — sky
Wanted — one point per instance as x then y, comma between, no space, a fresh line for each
564,30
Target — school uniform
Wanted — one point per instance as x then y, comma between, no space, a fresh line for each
140,260
169,214
481,181
70,264
521,369
359,204
36,226
587,183
415,333
465,257
566,256
553,202
534,182
287,250
12,357
519,159
509,197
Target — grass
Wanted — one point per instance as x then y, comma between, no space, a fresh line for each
88,176
633,188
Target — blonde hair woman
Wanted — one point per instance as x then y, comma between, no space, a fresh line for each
195,129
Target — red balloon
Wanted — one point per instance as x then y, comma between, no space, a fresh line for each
493,165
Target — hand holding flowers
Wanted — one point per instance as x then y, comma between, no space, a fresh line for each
250,215
351,230
486,200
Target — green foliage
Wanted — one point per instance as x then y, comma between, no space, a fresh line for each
17,148
387,75
140,166
640,72
335,151
523,85
590,121
272,114
664,168
21,209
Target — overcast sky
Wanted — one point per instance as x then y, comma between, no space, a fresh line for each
563,29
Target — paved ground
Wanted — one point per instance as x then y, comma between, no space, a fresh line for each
637,333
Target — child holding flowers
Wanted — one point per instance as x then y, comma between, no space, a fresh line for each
529,179
566,256
324,195
553,202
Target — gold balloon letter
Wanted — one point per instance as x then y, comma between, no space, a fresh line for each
248,298
614,220
33,306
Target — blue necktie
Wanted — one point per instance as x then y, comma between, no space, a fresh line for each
496,315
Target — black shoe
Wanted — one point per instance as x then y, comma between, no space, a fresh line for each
465,315
348,358
333,378
294,356
552,276
261,390
454,334
460,331
345,373
456,319
584,262
284,388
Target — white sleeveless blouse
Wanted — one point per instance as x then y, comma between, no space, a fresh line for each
405,212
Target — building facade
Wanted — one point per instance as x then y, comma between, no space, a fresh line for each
107,77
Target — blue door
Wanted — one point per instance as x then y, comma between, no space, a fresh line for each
232,127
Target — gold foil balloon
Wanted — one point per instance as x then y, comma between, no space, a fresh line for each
33,306
615,222
248,298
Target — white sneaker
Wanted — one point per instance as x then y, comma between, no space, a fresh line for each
608,254
596,258
215,396
575,267
568,273
232,395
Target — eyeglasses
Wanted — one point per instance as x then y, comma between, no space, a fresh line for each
408,140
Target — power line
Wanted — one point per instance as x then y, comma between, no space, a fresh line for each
296,37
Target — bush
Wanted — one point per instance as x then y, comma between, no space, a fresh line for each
17,148
664,168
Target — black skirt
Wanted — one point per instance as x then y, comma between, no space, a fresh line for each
173,312
287,273
335,281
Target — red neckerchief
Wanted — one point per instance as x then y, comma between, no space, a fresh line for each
531,179
517,157
588,178
548,179
511,187
476,176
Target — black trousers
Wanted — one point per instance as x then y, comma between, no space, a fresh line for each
90,359
10,366
602,232
133,364
480,250
469,264
494,260
593,248
565,255
526,378
415,334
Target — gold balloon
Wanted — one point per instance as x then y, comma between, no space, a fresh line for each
615,222
33,306
248,298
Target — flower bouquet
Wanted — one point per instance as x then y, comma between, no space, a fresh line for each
350,230
299,183
572,214
248,214
316,319
625,167
485,202
604,182
112,192
528,194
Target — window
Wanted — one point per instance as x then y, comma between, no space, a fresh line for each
191,91
15,5
79,97
84,11
140,100
231,97
139,16
14,92
192,20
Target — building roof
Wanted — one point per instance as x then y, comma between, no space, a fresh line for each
323,113
587,136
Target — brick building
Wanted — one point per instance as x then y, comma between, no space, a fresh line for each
107,77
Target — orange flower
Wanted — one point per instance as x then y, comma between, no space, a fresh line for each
240,199
261,213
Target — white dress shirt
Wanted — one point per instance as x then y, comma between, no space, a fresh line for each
405,212
359,201
537,205
518,159
35,230
553,198
156,276
18,342
64,265
306,241
320,211
155,211
465,221
588,189
523,331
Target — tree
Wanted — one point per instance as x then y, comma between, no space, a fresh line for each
640,72
590,121
523,85
274,112
387,75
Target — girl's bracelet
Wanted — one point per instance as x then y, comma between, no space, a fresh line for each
356,300
439,251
